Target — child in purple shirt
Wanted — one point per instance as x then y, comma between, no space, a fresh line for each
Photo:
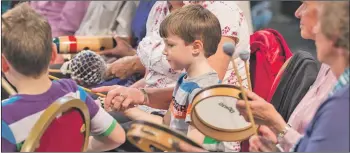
27,51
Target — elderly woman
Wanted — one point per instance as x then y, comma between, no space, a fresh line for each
327,131
289,133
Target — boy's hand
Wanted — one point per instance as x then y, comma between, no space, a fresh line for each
120,98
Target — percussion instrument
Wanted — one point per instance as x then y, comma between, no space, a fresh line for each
6,85
87,68
214,114
245,55
229,49
74,44
151,137
85,89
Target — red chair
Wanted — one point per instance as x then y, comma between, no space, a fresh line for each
63,127
269,51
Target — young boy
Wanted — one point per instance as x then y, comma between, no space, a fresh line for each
191,35
27,51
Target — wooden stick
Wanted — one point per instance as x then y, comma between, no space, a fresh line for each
87,90
55,71
249,111
7,87
246,65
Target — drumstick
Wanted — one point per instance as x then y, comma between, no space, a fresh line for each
229,49
87,90
7,87
55,71
244,55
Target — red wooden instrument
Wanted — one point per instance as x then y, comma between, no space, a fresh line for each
74,44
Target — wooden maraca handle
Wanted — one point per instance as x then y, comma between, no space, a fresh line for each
74,44
87,90
7,87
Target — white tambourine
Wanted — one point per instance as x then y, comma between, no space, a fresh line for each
214,114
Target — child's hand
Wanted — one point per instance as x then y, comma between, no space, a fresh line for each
121,98
100,102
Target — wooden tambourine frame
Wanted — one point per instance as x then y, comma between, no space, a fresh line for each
151,137
61,105
215,132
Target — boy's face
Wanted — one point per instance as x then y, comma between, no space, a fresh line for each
178,54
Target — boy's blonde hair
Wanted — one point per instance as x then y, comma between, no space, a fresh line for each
335,22
191,23
26,40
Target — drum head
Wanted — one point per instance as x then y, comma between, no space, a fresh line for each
214,113
222,135
220,113
151,137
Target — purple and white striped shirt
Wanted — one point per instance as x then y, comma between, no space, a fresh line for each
20,113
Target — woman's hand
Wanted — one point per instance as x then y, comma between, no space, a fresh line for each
265,142
263,112
59,59
120,98
125,67
122,49
261,144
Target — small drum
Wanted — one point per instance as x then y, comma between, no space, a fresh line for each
74,44
214,113
151,137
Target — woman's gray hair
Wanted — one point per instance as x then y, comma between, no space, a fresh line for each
335,22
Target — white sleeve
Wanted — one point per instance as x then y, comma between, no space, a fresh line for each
229,15
151,17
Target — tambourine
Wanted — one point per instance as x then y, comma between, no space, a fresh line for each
214,114
151,137
74,44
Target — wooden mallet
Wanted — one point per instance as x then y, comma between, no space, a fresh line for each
7,87
244,55
87,90
229,49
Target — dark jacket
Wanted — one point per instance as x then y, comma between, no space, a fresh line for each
298,76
